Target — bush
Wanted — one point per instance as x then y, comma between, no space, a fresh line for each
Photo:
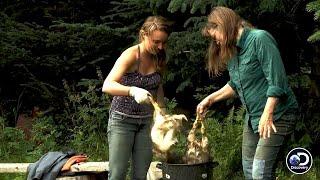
14,147
87,113
225,138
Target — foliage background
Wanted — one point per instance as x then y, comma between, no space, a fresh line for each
54,55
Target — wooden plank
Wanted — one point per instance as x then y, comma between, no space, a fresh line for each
79,167
82,177
98,167
13,167
90,167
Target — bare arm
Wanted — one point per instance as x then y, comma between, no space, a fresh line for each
111,84
224,93
270,105
266,120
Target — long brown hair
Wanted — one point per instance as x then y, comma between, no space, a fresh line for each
150,25
228,23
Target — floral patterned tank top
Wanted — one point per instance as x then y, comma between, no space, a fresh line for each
126,104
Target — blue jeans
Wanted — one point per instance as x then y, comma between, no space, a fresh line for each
129,138
260,156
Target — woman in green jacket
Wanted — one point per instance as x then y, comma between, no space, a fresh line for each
258,78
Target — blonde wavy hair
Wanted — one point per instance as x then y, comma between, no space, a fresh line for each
150,25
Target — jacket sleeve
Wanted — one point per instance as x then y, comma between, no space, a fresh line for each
232,85
31,170
45,168
272,66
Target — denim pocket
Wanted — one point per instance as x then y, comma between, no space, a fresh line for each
286,124
117,117
114,119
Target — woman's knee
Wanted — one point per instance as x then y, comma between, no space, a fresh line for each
258,169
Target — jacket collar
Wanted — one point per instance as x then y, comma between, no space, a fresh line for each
241,41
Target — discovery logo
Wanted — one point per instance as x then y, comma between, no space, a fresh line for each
299,160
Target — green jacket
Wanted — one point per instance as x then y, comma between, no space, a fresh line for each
256,73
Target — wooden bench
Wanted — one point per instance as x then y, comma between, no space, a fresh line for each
88,170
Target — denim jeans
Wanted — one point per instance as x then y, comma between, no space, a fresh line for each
260,156
129,138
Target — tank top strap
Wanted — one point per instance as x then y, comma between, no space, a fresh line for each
138,59
138,53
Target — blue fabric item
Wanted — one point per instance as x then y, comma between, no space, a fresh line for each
129,139
258,169
260,156
49,165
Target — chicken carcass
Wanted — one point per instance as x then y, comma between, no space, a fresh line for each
163,132
197,149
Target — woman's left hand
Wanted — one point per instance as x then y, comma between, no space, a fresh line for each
266,125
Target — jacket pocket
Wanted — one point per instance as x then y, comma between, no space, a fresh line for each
249,65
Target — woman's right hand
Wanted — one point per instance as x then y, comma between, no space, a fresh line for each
203,107
140,95
223,93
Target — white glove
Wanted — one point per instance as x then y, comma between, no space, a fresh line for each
140,95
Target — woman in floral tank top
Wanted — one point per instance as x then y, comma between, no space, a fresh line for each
135,76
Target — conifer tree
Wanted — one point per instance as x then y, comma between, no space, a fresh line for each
314,7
